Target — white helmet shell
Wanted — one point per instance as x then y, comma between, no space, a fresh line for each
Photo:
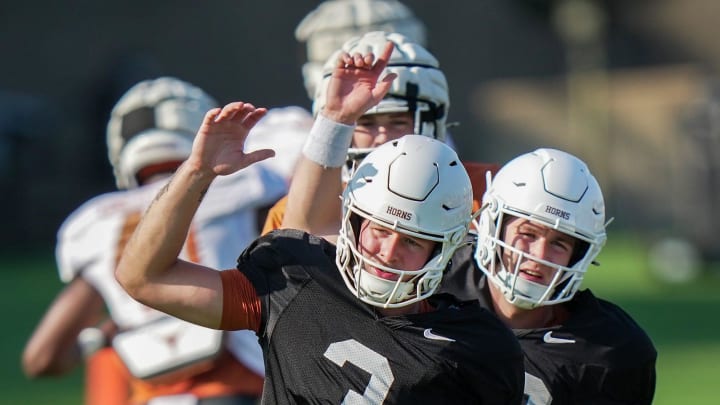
420,86
326,28
554,189
413,185
158,106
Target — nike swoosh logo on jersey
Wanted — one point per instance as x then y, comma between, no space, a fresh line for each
548,338
428,333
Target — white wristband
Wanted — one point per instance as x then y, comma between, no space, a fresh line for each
328,142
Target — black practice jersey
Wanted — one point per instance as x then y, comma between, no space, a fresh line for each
600,355
323,345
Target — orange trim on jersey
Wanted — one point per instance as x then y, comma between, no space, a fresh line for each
477,171
227,377
191,247
132,220
106,379
275,216
241,305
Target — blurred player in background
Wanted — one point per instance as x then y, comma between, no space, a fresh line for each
325,29
142,356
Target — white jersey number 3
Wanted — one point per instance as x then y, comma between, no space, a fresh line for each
536,393
381,377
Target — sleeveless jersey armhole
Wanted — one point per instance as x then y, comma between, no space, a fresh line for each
241,305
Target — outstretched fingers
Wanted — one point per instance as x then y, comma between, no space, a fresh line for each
254,116
231,110
211,116
384,57
383,86
258,155
385,83
234,113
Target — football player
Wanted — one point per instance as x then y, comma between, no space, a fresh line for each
541,228
156,357
417,102
349,322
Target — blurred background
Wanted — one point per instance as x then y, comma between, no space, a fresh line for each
629,86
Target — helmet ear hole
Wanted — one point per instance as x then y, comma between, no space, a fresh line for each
579,250
355,223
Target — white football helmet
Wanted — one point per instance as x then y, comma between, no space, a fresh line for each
326,28
550,188
420,87
414,185
167,107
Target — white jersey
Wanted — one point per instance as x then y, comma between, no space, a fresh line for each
91,240
283,129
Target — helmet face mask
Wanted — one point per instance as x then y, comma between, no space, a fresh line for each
552,189
164,112
419,88
409,285
429,116
415,186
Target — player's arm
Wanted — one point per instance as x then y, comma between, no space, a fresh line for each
149,269
314,198
53,348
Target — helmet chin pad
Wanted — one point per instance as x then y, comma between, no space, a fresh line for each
381,290
521,292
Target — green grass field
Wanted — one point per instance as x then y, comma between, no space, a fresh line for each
681,320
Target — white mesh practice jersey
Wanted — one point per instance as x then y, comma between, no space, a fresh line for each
91,240
283,129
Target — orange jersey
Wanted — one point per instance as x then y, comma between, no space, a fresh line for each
475,170
275,216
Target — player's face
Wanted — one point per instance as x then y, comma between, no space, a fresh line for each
373,130
540,241
392,249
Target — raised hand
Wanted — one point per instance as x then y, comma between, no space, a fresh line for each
218,146
354,87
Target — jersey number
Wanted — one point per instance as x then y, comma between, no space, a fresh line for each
536,393
381,377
